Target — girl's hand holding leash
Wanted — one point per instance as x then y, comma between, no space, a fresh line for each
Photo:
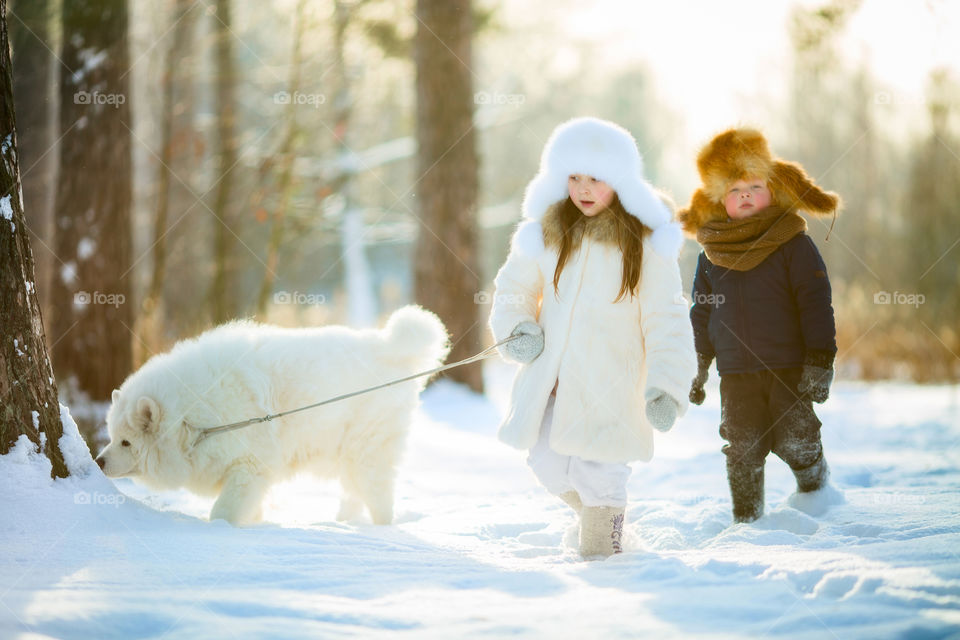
526,348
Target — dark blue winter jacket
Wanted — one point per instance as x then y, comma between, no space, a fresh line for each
767,317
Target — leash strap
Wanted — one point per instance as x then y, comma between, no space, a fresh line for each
207,432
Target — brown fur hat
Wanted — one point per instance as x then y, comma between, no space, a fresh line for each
737,154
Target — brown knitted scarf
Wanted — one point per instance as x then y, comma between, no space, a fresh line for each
743,244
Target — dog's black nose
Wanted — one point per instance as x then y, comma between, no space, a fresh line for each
101,462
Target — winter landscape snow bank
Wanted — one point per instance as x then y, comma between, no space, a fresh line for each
478,549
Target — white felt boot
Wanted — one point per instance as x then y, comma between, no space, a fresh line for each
572,498
601,529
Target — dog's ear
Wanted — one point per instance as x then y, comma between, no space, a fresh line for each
147,415
114,396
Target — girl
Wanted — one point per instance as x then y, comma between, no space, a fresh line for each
593,288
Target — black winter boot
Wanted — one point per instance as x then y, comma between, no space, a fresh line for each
746,490
812,478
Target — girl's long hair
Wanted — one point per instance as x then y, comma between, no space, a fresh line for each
630,233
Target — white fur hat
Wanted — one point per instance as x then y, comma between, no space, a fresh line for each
607,152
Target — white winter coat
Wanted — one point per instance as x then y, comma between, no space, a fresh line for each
603,355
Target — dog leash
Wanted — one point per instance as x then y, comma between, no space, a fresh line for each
223,428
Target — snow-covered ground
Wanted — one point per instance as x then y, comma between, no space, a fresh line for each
479,550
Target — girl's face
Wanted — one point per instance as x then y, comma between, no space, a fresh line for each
589,194
745,197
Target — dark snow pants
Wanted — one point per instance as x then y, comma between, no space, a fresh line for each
763,412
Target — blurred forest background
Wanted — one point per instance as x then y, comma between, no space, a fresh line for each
303,162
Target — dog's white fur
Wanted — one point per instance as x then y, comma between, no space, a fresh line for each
242,370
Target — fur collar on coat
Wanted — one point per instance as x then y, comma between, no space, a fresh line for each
600,228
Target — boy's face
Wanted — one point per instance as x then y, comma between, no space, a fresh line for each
745,197
589,194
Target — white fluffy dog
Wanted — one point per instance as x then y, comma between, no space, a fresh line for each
243,370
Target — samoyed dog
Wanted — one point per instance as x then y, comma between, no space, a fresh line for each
243,370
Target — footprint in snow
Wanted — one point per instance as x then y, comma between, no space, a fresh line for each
788,519
836,586
510,530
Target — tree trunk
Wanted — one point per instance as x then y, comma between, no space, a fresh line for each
224,236
446,264
92,310
287,150
33,91
150,319
933,191
27,389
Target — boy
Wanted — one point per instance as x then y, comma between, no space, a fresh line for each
762,307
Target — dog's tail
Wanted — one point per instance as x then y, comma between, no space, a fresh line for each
417,337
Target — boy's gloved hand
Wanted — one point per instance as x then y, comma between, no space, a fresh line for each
697,394
526,348
817,375
662,410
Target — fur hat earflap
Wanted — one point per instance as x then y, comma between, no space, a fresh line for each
738,154
607,152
